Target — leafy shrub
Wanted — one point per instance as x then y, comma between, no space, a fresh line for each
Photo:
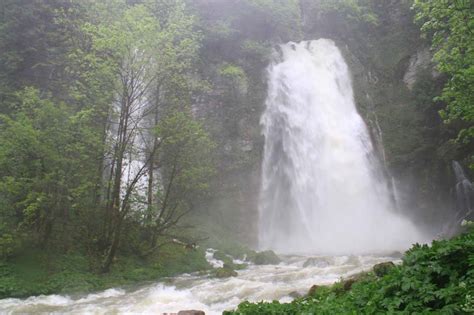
432,279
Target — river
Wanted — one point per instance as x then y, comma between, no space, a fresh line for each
201,292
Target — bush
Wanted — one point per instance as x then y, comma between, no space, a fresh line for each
432,279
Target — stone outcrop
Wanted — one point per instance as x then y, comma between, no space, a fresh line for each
382,269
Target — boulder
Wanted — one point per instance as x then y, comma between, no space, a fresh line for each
225,273
382,269
313,289
346,284
267,257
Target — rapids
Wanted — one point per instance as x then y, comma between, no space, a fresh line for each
200,292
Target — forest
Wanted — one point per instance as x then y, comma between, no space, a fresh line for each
145,141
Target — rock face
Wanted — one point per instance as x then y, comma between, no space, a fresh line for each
394,85
421,60
383,268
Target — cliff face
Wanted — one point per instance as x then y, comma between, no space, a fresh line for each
394,84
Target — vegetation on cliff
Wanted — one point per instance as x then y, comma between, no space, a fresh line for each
449,25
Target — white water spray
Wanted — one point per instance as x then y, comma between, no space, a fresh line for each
322,190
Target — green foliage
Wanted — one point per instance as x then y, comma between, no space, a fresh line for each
35,272
42,159
235,79
432,279
450,26
67,72
187,146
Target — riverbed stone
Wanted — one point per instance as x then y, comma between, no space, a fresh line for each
225,273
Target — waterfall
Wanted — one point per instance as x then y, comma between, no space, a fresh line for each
464,192
322,188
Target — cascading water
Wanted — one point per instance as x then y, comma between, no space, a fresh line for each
322,191
464,192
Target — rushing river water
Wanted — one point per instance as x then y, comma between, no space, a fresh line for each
193,291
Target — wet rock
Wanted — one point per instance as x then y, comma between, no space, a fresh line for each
383,268
225,273
418,62
313,289
191,312
267,257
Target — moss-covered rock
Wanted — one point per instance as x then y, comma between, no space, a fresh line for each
267,257
313,289
383,268
346,284
225,273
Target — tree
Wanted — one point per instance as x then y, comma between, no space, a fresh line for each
35,46
45,165
185,169
153,63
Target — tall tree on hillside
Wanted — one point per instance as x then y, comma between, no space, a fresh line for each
153,61
35,46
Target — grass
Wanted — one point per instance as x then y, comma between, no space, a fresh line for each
35,272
